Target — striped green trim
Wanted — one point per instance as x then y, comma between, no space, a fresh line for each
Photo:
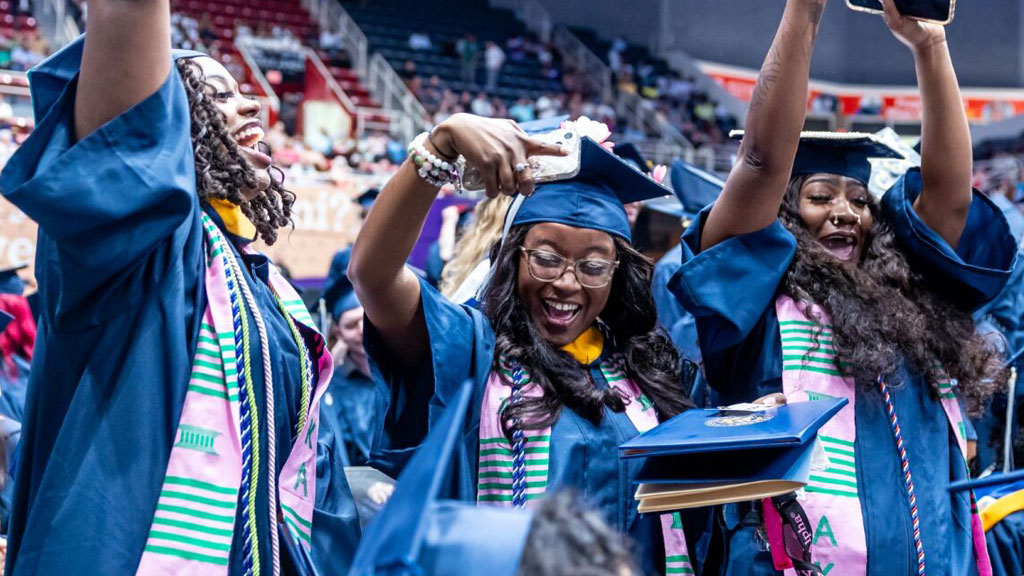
830,350
506,497
304,522
201,485
503,440
305,537
187,555
507,451
196,499
840,451
678,570
825,480
817,396
508,485
820,490
802,323
794,367
157,535
196,513
208,340
207,378
211,392
499,474
193,527
207,353
795,340
842,462
679,558
810,331
834,440
828,361
850,473
508,464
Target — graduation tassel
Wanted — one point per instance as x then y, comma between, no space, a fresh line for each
907,477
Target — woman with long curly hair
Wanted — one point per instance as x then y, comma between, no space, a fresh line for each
172,417
802,283
565,353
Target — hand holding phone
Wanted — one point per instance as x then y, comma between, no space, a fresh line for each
934,11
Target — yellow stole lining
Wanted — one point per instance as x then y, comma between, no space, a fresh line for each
234,220
996,511
587,347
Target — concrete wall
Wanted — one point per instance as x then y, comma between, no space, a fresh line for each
985,38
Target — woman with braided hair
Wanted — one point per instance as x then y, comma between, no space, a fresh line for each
172,418
802,283
564,351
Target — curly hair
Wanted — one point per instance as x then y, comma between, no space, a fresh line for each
222,171
568,539
883,313
629,323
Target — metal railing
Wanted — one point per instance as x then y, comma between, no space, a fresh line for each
330,15
575,51
363,118
408,116
56,22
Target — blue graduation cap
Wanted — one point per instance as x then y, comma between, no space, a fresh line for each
841,153
543,125
593,198
420,532
367,198
694,187
339,293
5,319
630,153
10,282
994,485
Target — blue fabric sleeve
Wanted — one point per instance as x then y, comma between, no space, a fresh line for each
1006,545
106,203
461,347
730,286
336,529
981,264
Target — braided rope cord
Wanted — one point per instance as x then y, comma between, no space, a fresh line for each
518,441
907,476
248,413
268,384
306,363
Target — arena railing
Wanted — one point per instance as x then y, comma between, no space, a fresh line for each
329,14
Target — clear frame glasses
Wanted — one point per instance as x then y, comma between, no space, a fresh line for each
590,272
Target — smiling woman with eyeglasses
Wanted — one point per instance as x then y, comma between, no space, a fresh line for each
565,351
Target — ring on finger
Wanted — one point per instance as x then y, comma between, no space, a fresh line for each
521,167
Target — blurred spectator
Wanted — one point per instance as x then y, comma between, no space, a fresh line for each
481,106
494,60
469,57
522,110
420,41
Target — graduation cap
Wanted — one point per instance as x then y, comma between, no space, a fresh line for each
421,532
339,293
544,124
10,282
367,198
841,153
5,319
593,198
630,153
694,187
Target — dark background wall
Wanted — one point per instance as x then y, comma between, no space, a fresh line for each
985,38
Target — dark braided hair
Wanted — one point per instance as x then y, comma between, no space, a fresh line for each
630,325
222,171
884,314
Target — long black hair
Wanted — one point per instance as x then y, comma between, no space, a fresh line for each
221,170
885,315
630,326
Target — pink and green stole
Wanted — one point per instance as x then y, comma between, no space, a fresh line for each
495,460
194,521
811,371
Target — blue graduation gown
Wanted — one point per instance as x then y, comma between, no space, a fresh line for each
354,404
120,268
680,324
1006,545
731,290
584,457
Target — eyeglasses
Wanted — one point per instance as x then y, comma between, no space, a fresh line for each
589,272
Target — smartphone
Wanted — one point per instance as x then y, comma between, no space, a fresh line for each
936,11
544,168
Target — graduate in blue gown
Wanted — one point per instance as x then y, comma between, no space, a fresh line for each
568,295
353,402
897,280
1001,506
130,203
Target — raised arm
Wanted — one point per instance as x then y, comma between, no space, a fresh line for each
390,292
127,56
946,151
755,187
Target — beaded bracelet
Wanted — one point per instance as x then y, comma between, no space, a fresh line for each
433,170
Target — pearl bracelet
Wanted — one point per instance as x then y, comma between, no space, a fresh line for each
433,170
